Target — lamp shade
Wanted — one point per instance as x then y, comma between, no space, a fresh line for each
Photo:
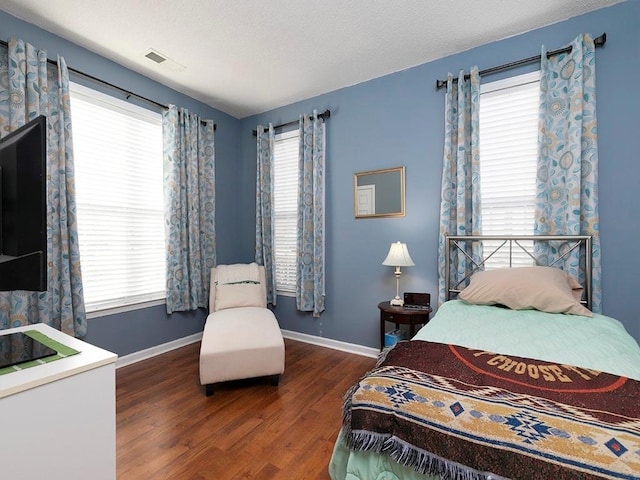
398,256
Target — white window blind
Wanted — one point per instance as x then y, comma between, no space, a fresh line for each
508,150
285,210
119,194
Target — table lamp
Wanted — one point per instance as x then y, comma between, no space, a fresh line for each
398,256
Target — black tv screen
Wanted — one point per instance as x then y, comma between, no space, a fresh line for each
23,208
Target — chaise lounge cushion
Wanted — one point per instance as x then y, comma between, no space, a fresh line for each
239,343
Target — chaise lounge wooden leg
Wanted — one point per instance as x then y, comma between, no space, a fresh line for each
275,380
208,389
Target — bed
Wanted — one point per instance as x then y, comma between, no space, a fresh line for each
488,392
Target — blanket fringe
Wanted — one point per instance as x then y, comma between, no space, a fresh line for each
427,463
419,460
346,399
368,441
382,356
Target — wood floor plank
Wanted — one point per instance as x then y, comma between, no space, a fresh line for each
166,428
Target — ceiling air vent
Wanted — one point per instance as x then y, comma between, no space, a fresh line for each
163,61
155,57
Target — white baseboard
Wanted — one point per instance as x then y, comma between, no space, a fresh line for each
157,350
334,344
196,337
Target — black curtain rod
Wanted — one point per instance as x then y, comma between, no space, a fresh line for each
324,115
598,42
103,82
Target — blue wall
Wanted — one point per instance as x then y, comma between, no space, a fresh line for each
390,121
140,329
398,120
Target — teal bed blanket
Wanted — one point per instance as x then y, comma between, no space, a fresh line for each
597,342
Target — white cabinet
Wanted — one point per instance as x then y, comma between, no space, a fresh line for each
57,420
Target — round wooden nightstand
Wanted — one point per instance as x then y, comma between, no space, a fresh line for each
401,315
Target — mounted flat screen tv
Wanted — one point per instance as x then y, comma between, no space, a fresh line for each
23,208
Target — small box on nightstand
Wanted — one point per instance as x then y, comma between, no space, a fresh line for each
392,337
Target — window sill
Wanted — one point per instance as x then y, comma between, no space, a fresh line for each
124,308
285,294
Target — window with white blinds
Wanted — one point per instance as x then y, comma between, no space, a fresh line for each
508,151
285,210
119,194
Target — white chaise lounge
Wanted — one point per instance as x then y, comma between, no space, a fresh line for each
241,337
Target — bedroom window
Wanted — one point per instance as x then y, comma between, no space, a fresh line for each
119,193
285,210
508,149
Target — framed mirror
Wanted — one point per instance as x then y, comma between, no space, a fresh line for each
379,193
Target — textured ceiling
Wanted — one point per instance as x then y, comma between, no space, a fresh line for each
245,57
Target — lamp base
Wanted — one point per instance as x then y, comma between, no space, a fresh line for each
396,302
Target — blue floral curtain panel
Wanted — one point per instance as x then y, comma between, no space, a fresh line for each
264,208
189,191
30,87
460,212
567,178
310,292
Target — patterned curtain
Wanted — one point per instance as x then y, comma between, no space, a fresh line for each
310,291
567,178
30,87
264,210
460,207
189,195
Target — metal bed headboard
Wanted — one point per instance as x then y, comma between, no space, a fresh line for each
457,243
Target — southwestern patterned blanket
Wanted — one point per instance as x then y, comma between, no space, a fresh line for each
439,408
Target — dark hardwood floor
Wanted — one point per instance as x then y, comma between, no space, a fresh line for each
167,428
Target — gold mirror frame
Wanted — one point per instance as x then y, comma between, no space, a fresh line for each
379,193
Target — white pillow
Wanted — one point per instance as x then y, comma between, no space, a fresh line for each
239,295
